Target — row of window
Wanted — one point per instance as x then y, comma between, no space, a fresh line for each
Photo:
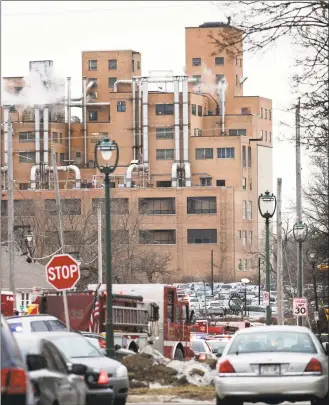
112,64
266,113
266,136
246,237
246,209
165,206
219,61
29,136
168,236
244,265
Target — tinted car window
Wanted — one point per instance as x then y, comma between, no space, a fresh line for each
55,325
39,326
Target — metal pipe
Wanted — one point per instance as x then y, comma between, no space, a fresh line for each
33,177
46,136
37,135
115,87
84,118
185,119
174,171
222,88
131,168
176,107
71,168
91,104
69,116
140,115
6,126
134,117
145,122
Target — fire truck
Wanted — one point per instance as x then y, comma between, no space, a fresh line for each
142,314
218,328
7,303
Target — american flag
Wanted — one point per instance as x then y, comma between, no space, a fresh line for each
94,316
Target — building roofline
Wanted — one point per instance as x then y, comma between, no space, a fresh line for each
111,50
13,77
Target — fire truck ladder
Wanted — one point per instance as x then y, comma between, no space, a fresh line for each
126,316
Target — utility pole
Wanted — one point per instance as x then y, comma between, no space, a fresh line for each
279,253
99,235
299,208
4,129
61,232
212,272
11,241
259,281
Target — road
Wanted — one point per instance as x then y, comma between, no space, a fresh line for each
186,402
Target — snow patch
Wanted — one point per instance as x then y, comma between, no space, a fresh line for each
194,372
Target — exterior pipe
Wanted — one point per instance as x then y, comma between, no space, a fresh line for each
222,88
84,118
134,117
46,136
115,87
140,116
174,170
35,169
175,165
131,168
145,123
37,135
6,128
90,104
187,165
33,177
69,116
188,174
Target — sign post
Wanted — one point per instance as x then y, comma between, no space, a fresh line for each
300,307
62,273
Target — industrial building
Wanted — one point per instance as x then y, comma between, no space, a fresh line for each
193,149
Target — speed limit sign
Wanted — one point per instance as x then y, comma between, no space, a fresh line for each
300,307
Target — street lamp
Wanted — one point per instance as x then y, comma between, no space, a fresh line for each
300,235
106,148
312,258
267,207
245,281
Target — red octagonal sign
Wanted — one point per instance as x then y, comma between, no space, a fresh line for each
62,272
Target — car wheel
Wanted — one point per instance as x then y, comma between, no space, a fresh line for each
120,401
179,355
228,401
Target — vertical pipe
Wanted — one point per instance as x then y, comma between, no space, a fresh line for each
99,235
185,119
10,193
222,99
134,117
212,272
69,117
279,253
316,298
6,125
37,135
176,107
268,269
259,281
46,136
145,121
84,118
140,130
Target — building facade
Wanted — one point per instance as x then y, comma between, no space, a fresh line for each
194,150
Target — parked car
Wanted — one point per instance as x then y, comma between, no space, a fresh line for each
35,323
216,309
201,349
77,349
273,364
53,381
16,388
217,345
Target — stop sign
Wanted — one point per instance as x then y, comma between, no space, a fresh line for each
62,272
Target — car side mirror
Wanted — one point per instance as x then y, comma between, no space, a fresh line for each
325,346
78,369
35,362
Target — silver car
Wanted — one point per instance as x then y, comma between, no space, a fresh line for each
273,364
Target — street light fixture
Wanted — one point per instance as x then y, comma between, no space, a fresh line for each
245,281
106,149
312,258
267,207
300,235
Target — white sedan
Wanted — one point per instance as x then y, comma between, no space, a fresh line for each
273,364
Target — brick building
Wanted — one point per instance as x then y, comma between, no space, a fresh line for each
193,149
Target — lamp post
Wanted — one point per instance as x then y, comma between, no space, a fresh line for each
312,257
300,235
106,147
205,299
245,281
267,207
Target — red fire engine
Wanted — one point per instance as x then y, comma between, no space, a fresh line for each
7,303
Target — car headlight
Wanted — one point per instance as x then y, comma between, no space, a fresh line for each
122,371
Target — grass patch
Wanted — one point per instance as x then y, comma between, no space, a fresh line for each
187,391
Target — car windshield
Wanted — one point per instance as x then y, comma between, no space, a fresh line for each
272,341
217,346
198,346
75,346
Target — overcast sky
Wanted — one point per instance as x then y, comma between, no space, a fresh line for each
60,30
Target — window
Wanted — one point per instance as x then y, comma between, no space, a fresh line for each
219,61
121,106
165,154
193,109
236,61
261,113
69,206
59,363
249,209
55,137
237,132
244,238
25,299
27,136
39,326
269,114
201,205
196,61
157,206
198,78
205,181
225,153
62,157
219,78
204,153
240,60
244,157
245,111
220,183
197,132
118,205
78,158
97,136
244,209
93,115
166,183
262,134
92,80
138,65
250,238
200,110
132,65
249,156
56,157
270,137
23,186
265,113
236,80
111,82
112,64
244,184
202,236
250,185
26,157
164,132
266,136
239,234
245,264
239,264
92,64
157,237
164,109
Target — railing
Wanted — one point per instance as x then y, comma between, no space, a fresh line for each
126,316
